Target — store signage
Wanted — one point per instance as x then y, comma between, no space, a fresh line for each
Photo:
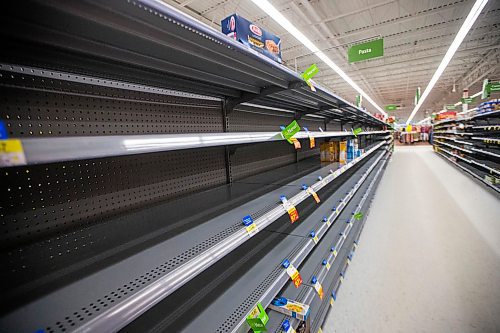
417,96
494,86
258,318
290,131
450,107
359,100
310,72
357,131
486,92
468,100
364,51
391,107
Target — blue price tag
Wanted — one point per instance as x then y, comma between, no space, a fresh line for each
3,131
285,263
314,279
247,220
324,262
304,187
312,233
285,325
325,218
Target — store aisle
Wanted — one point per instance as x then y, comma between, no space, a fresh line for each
429,255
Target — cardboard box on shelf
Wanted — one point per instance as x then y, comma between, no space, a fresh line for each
343,152
253,36
329,151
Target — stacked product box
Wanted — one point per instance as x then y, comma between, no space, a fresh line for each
253,36
342,152
329,151
352,149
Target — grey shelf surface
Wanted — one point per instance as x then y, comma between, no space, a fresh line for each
255,275
473,171
58,149
140,41
146,269
313,265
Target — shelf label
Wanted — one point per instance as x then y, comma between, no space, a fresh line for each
252,229
258,318
320,330
290,131
292,211
286,327
296,143
11,153
294,275
357,131
3,131
310,191
315,239
312,142
310,72
358,216
331,301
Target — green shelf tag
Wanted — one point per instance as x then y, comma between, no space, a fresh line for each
290,131
358,216
310,72
258,318
357,131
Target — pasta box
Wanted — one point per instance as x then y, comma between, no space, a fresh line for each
253,36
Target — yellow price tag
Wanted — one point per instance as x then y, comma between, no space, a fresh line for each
341,279
334,253
331,301
252,229
11,153
315,239
328,266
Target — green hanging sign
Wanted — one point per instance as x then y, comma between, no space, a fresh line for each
468,100
486,92
359,100
417,95
290,131
494,86
391,107
368,50
450,107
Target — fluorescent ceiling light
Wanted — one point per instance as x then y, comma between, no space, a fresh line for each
270,10
464,29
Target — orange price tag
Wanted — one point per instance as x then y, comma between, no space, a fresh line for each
296,143
292,211
312,142
297,281
314,194
319,289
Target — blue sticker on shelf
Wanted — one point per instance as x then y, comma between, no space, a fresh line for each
304,187
3,131
334,208
314,279
332,248
320,178
334,295
324,262
279,301
247,220
325,218
312,233
282,127
285,326
285,263
283,198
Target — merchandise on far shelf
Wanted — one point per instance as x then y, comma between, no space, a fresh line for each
342,152
489,106
446,115
253,36
329,151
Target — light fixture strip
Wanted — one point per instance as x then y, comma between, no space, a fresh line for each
464,29
270,10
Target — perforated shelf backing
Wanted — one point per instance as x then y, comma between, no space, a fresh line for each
252,119
253,159
33,106
44,200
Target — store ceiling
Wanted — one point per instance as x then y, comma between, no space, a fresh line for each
416,36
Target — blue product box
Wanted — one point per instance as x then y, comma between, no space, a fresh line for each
253,36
